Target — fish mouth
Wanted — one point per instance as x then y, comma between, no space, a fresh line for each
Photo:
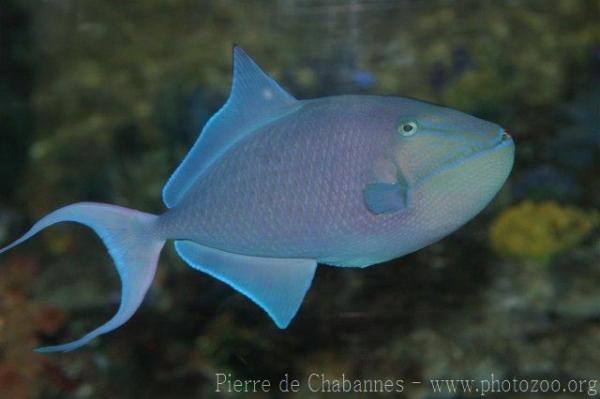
502,141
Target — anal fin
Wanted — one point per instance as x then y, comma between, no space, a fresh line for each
277,285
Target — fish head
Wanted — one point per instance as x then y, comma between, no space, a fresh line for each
445,153
429,140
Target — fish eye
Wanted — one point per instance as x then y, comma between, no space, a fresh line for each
407,128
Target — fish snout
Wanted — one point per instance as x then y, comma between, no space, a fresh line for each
505,137
500,137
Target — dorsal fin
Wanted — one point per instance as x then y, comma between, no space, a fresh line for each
255,100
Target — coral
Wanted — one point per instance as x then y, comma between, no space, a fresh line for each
21,370
539,231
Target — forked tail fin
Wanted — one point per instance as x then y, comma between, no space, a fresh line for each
132,243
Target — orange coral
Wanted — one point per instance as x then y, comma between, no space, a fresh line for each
21,321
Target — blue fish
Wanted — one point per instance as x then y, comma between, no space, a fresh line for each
275,185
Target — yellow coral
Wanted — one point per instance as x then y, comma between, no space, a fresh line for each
540,230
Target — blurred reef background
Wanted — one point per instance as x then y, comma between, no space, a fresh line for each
100,100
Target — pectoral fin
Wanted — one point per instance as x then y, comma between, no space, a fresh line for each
277,285
386,198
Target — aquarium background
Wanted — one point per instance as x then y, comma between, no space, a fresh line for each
100,100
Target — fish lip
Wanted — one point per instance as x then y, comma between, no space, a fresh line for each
501,140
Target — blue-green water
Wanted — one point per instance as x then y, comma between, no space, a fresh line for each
99,101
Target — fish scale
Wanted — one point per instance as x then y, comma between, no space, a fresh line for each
265,205
275,185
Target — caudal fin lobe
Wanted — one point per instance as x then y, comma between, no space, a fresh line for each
131,240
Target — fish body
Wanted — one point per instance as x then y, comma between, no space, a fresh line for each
294,187
275,185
